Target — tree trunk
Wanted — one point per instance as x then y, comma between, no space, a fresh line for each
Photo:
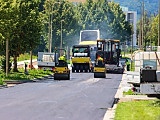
15,69
7,57
31,59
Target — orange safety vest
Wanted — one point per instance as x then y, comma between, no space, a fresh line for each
100,58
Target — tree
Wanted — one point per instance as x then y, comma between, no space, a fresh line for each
21,24
106,16
62,15
8,23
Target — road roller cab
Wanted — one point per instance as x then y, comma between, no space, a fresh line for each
61,71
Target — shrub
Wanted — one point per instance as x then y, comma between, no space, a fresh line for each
3,64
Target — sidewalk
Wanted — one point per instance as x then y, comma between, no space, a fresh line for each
20,64
127,77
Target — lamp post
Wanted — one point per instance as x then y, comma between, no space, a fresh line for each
159,24
141,36
50,25
61,44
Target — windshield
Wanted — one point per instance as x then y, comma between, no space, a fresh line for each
89,35
48,58
80,50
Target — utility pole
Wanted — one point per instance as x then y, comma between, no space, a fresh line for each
159,24
49,30
142,34
61,36
50,49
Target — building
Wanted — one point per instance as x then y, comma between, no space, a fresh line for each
131,17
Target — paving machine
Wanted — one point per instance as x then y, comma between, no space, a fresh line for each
99,68
61,71
113,55
81,60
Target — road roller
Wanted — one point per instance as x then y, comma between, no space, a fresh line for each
61,71
99,68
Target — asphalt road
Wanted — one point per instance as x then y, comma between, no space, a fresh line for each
81,98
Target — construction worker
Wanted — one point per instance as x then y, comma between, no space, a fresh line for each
128,65
62,58
100,61
99,58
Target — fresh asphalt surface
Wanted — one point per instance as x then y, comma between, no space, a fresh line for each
81,98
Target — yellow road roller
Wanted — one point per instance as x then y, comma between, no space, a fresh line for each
99,68
61,71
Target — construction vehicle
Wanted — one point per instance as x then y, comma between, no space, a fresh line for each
99,68
113,56
81,61
61,71
85,61
111,53
89,35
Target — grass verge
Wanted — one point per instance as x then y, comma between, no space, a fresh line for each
25,56
21,76
138,110
131,92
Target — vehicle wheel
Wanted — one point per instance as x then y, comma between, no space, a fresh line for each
68,77
86,68
77,68
73,70
81,68
104,75
55,77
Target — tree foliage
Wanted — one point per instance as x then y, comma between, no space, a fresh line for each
21,25
105,16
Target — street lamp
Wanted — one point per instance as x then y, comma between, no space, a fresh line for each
159,24
141,25
50,25
61,44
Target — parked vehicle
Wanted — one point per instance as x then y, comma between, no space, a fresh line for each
46,61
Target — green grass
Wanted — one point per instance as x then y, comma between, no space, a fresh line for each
129,92
25,56
21,76
138,110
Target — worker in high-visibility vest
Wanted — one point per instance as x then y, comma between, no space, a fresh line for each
128,65
62,58
100,61
99,58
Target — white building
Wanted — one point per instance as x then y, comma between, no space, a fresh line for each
131,17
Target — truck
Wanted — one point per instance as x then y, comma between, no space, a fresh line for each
149,71
46,61
81,58
150,82
85,61
147,65
89,35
